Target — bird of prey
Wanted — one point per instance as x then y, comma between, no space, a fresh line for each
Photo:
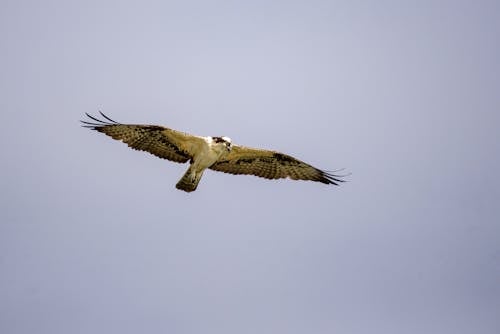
216,153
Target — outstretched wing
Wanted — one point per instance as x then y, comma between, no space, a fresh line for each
163,142
271,165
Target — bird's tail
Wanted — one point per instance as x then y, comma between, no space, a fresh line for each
190,180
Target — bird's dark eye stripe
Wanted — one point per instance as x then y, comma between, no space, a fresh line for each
218,139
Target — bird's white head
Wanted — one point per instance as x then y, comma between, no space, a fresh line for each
226,141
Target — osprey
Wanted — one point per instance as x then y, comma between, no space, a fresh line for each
216,153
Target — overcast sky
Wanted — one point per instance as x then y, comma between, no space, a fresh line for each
94,237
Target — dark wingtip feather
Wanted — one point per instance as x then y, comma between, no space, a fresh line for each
332,178
106,117
98,123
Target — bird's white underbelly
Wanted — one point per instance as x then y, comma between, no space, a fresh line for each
205,160
207,157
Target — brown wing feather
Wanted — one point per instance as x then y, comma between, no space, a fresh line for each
271,165
162,142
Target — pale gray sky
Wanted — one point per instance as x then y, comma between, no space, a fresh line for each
94,237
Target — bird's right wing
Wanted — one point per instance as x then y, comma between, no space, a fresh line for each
271,165
160,141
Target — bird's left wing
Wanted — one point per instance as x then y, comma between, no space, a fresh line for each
271,165
160,141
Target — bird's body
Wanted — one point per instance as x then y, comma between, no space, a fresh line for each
205,154
216,153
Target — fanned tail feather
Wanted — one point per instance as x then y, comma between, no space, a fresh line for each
189,182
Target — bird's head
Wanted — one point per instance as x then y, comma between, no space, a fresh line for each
226,141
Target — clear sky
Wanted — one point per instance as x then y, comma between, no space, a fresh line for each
94,237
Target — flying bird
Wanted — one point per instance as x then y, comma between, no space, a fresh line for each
216,153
